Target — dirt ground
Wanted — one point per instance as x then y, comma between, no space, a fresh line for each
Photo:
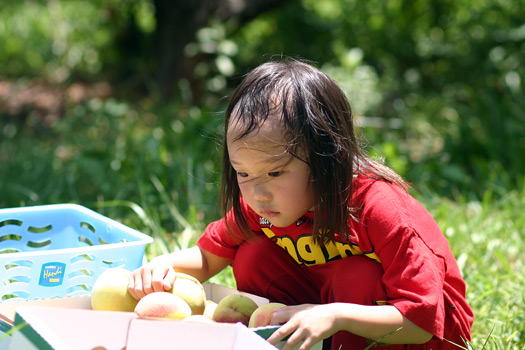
48,102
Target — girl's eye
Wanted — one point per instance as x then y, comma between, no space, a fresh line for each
242,174
275,173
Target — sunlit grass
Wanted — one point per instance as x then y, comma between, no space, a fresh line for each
488,239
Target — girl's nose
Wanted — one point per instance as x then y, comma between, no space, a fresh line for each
261,193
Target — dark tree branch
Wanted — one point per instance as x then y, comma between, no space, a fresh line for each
177,24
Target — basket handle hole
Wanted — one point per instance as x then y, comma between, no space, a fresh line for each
17,279
82,257
88,226
86,240
9,250
10,238
43,229
81,272
116,263
10,222
19,263
42,244
19,294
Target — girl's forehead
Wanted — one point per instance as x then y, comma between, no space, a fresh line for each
267,140
269,131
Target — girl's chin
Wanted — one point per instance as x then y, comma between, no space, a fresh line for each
280,223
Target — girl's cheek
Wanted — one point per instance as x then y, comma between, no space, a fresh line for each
243,189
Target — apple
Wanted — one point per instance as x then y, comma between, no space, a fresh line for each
234,308
191,291
162,305
262,316
110,291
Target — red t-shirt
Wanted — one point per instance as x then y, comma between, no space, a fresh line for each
421,275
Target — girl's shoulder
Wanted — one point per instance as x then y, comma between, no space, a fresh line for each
378,199
389,207
367,187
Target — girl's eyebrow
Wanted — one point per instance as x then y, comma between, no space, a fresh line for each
282,160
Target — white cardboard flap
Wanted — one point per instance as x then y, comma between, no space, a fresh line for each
8,308
150,334
77,329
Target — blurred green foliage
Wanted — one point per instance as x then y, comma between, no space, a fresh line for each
106,151
448,71
60,41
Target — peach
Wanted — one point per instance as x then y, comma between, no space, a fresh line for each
234,308
191,291
262,316
110,291
162,305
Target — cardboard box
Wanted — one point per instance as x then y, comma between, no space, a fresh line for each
61,329
69,323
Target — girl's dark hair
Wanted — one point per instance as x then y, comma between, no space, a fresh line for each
318,125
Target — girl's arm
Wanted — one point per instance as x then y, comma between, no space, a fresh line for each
160,273
312,323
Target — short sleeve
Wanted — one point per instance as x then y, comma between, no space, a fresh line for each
218,240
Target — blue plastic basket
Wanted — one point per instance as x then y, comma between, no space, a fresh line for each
59,250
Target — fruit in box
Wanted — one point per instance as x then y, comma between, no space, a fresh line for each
210,308
162,305
191,291
110,291
234,308
262,316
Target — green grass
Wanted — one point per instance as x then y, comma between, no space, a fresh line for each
488,240
157,170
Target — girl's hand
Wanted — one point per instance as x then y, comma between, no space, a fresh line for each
156,276
307,323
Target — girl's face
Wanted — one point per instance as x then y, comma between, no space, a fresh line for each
276,185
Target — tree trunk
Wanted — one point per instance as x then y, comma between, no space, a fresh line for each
177,23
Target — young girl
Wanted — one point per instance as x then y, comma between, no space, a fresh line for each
310,221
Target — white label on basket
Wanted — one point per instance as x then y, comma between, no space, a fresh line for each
52,274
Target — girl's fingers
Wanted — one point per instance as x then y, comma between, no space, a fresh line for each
283,315
280,334
291,343
169,279
159,279
302,337
135,286
146,276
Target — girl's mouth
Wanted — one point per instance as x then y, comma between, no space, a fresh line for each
269,213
